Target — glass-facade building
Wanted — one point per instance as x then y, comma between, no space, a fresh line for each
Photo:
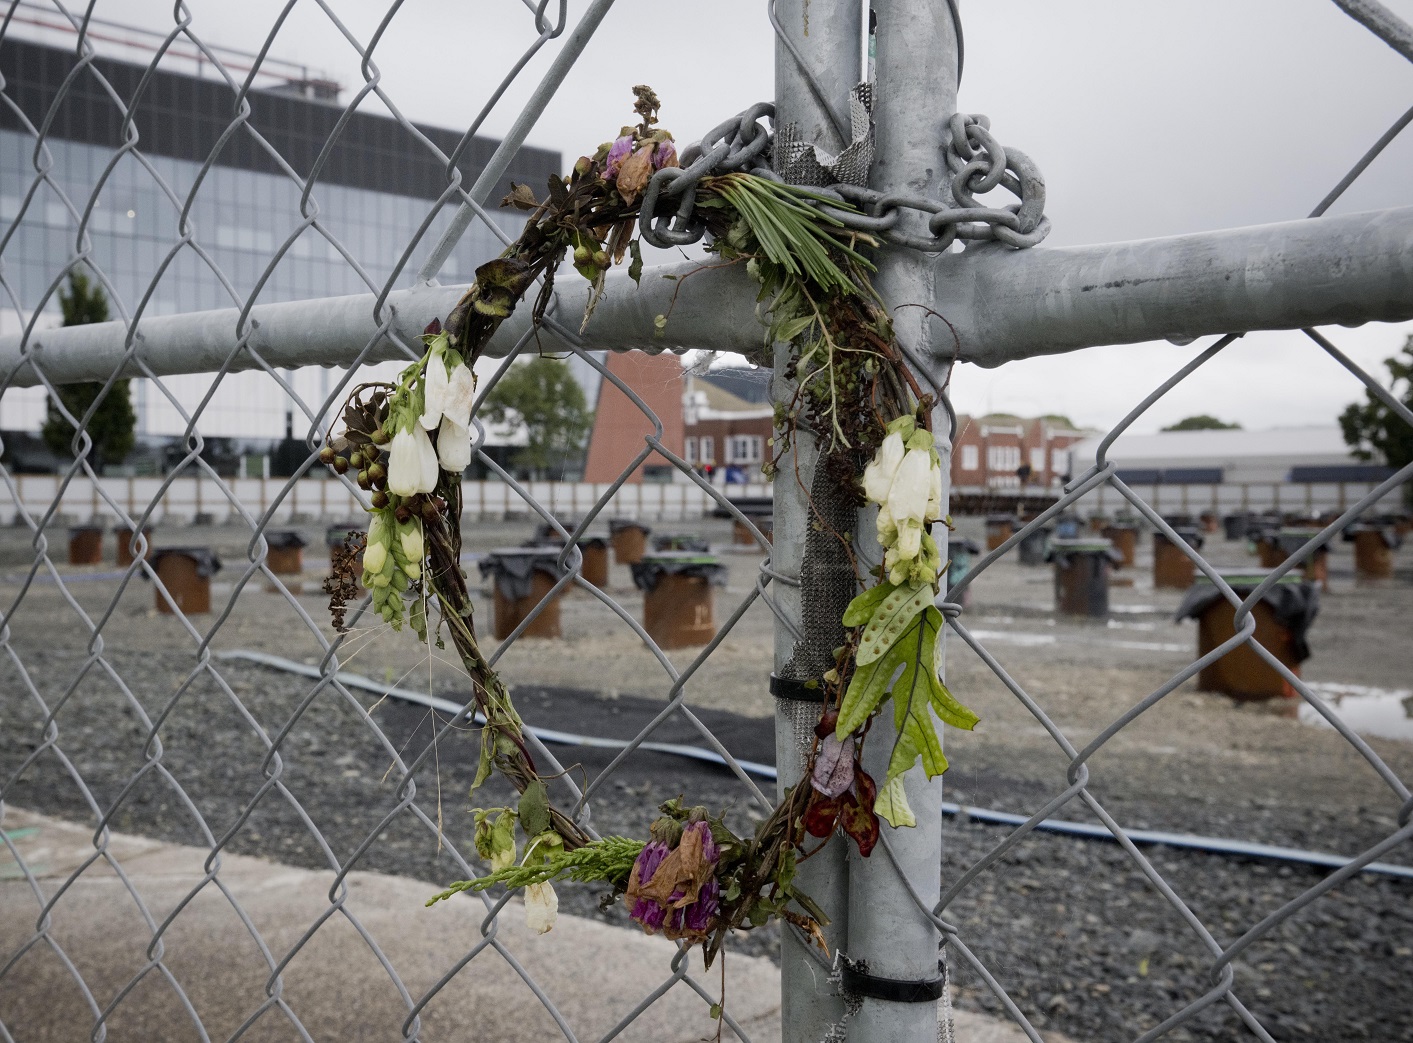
377,184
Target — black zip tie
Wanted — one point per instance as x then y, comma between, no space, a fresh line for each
856,980
800,691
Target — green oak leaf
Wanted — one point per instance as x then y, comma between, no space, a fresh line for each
869,685
862,607
894,616
892,805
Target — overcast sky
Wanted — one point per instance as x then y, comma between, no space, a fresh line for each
1147,118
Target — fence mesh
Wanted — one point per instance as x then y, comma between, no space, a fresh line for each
123,718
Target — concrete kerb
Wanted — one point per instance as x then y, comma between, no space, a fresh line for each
594,972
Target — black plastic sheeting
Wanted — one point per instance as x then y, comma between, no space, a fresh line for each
1032,547
648,573
207,564
1393,539
617,525
1294,605
547,533
1060,551
514,570
285,539
1192,537
553,540
335,535
689,543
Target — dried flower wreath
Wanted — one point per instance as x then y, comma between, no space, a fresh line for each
693,879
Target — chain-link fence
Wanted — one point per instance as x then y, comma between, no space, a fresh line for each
255,729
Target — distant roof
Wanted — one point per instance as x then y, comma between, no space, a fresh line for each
747,384
1306,444
718,398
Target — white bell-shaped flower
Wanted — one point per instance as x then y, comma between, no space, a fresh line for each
909,544
541,907
375,554
461,394
883,468
887,527
908,495
412,463
436,392
453,445
934,495
410,539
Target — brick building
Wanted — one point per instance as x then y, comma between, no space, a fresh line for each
990,451
620,426
728,421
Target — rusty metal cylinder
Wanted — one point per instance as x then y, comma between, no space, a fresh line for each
186,574
124,536
1124,537
86,545
1082,569
999,529
1373,557
1172,568
629,540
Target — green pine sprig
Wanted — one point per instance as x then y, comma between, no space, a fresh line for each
792,233
609,861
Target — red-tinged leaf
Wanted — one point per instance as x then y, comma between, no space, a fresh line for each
834,766
864,786
859,822
821,815
433,328
826,723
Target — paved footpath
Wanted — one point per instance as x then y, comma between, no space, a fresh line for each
336,985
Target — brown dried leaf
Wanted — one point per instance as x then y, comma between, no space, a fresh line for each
633,175
684,869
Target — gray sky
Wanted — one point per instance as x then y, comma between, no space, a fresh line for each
1147,118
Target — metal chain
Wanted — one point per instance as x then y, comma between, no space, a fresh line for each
976,161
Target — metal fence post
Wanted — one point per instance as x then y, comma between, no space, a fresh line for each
916,82
829,40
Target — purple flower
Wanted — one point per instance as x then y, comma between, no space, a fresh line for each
710,851
620,150
665,156
699,915
648,913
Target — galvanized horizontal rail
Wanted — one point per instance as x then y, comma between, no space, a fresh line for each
1004,304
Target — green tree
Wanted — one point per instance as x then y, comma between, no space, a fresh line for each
543,395
1202,423
1372,430
113,425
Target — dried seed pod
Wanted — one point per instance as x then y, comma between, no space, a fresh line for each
379,500
363,482
356,460
340,464
327,455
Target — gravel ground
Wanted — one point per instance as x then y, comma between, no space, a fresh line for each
1080,939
